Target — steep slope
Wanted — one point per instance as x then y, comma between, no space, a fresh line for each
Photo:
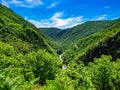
24,67
52,32
66,37
26,55
73,34
106,41
21,34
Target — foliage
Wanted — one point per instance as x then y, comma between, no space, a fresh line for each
28,60
31,68
103,42
13,28
52,32
102,74
68,37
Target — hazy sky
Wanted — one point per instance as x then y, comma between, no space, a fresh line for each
64,13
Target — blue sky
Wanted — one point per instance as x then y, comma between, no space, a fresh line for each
64,13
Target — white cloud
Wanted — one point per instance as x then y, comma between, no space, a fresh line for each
107,7
52,5
34,2
57,21
5,3
15,2
102,17
29,1
26,18
57,15
23,3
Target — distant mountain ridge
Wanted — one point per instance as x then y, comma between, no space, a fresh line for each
84,30
66,36
30,59
106,41
14,29
52,32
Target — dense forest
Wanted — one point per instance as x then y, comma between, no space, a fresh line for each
32,58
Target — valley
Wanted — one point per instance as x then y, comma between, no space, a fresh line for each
84,57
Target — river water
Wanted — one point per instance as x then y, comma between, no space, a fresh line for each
63,66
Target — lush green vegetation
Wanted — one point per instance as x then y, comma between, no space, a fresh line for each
26,55
102,74
30,71
104,42
52,32
23,72
66,37
29,60
83,30
21,34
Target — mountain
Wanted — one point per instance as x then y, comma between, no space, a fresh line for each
20,33
80,31
52,32
105,41
85,29
27,56
29,61
70,35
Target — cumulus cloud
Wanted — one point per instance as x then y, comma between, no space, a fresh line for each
57,21
52,5
102,17
22,3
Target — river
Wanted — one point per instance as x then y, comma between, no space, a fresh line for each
63,66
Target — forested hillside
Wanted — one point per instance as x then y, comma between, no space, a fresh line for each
83,30
29,60
71,35
20,33
104,42
26,55
52,32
